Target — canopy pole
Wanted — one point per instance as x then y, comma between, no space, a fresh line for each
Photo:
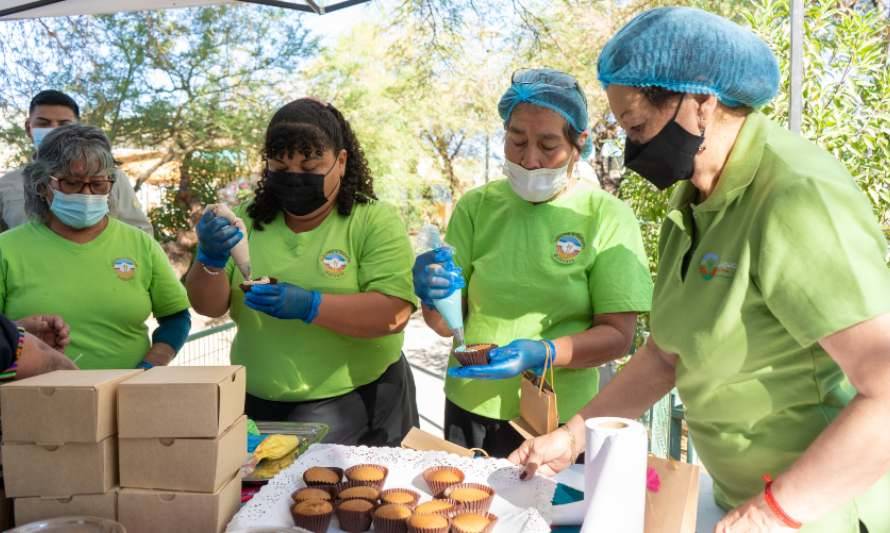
796,94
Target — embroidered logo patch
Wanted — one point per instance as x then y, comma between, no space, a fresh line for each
710,267
568,246
125,267
334,262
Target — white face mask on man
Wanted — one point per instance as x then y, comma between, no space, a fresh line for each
537,185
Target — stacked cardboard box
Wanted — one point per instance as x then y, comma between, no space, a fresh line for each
183,438
60,443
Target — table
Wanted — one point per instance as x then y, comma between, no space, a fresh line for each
708,512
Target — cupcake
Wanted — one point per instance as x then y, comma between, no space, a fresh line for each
405,497
427,523
355,515
370,475
311,493
314,515
352,491
439,478
391,518
247,284
471,497
473,523
440,507
322,475
473,354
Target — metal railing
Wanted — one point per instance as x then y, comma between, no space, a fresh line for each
208,347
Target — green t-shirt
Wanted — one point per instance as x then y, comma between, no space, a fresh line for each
288,360
542,271
785,252
104,289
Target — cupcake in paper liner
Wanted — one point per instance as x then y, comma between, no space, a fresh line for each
351,490
473,354
471,497
368,474
439,478
473,523
428,523
405,497
440,506
246,285
312,493
314,515
355,515
391,518
318,476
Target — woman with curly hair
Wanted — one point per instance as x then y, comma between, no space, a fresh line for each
322,342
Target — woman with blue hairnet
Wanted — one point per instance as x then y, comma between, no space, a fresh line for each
552,266
771,311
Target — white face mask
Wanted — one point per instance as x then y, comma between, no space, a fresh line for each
37,134
537,185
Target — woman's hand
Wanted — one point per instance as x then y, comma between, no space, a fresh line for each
436,276
754,516
51,329
508,361
283,300
160,354
38,358
216,238
547,454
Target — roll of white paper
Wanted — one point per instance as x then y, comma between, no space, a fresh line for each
614,476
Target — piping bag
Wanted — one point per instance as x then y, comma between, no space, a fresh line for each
241,252
451,307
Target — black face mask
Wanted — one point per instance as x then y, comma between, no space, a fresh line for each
298,193
668,157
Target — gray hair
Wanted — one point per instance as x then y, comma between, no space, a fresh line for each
59,149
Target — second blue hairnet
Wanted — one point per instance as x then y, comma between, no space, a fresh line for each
553,90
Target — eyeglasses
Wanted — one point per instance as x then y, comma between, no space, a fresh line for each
96,185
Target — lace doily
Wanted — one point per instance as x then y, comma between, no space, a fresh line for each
521,506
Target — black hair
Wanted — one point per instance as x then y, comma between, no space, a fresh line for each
659,96
53,97
310,127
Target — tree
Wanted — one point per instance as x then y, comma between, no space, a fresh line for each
186,83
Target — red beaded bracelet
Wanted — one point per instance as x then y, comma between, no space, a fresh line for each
774,505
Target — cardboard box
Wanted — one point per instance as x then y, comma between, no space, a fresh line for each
59,470
62,406
200,465
33,509
181,402
147,511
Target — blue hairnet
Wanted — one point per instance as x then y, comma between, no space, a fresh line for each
688,50
552,89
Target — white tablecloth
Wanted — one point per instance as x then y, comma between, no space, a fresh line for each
708,512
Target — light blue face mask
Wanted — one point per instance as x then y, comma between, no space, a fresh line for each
37,134
79,210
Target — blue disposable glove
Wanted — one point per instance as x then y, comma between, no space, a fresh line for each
436,276
216,238
283,300
508,361
145,364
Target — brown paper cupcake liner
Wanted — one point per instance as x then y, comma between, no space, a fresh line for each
480,506
247,286
354,521
439,487
376,484
321,484
492,521
315,523
411,505
389,525
474,354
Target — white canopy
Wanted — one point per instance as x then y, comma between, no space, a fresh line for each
20,9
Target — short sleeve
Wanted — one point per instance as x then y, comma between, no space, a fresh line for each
460,235
168,295
126,206
619,280
386,258
821,265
